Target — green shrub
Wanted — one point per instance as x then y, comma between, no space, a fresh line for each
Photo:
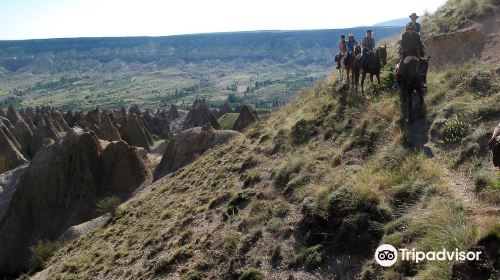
252,178
303,130
108,205
492,190
252,274
163,265
407,193
481,180
280,210
274,225
286,172
42,252
479,82
297,181
250,239
276,256
459,126
311,258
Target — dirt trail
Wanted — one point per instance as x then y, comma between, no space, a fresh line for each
462,187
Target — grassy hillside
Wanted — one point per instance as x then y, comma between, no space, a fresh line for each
457,14
312,191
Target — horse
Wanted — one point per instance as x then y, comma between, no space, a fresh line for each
355,67
374,64
413,76
343,66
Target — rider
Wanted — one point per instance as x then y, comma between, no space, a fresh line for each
411,45
351,43
342,49
413,18
368,44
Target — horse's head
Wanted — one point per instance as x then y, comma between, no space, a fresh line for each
357,50
381,51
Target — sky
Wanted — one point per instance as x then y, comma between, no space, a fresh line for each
35,19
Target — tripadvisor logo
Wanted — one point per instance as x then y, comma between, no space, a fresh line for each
386,255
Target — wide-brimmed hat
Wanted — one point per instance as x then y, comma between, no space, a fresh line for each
350,35
413,15
369,30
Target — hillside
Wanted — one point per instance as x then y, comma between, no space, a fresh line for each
310,193
261,68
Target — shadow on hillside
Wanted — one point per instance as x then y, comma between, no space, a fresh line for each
416,135
416,132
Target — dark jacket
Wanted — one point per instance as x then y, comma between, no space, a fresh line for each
411,44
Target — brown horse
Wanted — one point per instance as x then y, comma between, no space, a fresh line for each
373,65
355,67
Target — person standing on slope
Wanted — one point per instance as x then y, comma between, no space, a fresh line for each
368,45
413,18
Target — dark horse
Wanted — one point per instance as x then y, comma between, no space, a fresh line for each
413,75
375,61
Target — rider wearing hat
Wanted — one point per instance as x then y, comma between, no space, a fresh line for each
411,43
413,18
351,43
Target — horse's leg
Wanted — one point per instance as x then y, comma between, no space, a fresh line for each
355,81
403,106
378,78
421,105
347,72
353,78
363,76
410,104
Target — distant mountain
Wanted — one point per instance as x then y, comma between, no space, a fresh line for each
58,55
394,22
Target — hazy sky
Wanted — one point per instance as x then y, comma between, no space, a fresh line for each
22,19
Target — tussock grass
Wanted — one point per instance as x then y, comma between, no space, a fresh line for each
456,14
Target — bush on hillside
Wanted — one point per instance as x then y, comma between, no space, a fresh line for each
303,130
276,256
348,218
286,172
479,82
253,274
310,258
459,126
42,252
108,205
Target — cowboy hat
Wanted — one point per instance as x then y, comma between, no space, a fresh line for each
413,15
